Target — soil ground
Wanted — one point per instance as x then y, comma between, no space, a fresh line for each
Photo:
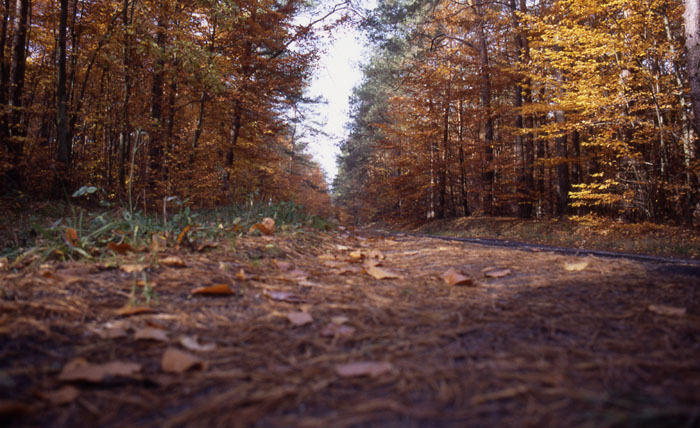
537,339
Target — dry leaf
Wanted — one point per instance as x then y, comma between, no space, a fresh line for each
132,268
363,368
182,235
357,255
283,296
172,261
348,269
206,245
299,318
575,266
10,407
334,264
128,310
176,361
669,311
452,277
340,319
337,330
109,331
79,369
500,395
497,273
121,248
376,254
72,237
64,395
327,257
158,242
192,344
342,248
267,227
4,263
214,290
378,273
150,333
241,275
282,265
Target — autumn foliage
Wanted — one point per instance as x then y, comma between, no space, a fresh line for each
524,108
157,98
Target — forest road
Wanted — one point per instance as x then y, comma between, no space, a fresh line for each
355,328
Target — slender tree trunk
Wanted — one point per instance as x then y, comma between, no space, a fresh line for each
64,145
462,172
563,179
156,140
488,176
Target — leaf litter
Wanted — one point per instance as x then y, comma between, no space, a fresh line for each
404,351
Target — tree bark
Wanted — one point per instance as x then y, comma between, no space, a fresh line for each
64,145
488,175
692,44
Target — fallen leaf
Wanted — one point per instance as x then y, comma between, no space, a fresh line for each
182,235
206,245
121,248
158,242
334,264
299,318
379,273
575,266
110,331
282,265
4,263
357,255
10,407
669,311
340,319
452,277
132,268
241,275
64,395
72,237
192,344
128,310
79,369
214,290
283,296
337,330
342,248
364,368
172,261
176,361
348,269
150,333
497,273
500,395
376,254
327,257
267,227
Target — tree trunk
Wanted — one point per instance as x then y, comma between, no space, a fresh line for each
488,175
156,140
692,44
64,145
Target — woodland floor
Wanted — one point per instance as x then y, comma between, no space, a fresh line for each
538,339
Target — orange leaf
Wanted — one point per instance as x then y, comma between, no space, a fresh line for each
364,368
122,248
72,237
79,369
176,361
132,268
378,273
172,261
241,275
497,273
452,277
182,234
267,227
299,318
134,310
214,290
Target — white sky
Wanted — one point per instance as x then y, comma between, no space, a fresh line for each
337,73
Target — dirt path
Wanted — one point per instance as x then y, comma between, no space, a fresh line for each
551,340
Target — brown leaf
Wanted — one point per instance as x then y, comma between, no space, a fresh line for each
150,333
192,344
172,261
357,255
299,318
282,265
241,275
364,368
11,407
337,330
500,395
182,235
452,277
4,263
214,290
342,248
340,319
158,242
176,361
669,311
64,395
497,273
575,266
128,310
283,296
327,257
206,245
79,369
132,268
267,227
72,237
376,254
121,248
334,264
379,273
111,330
